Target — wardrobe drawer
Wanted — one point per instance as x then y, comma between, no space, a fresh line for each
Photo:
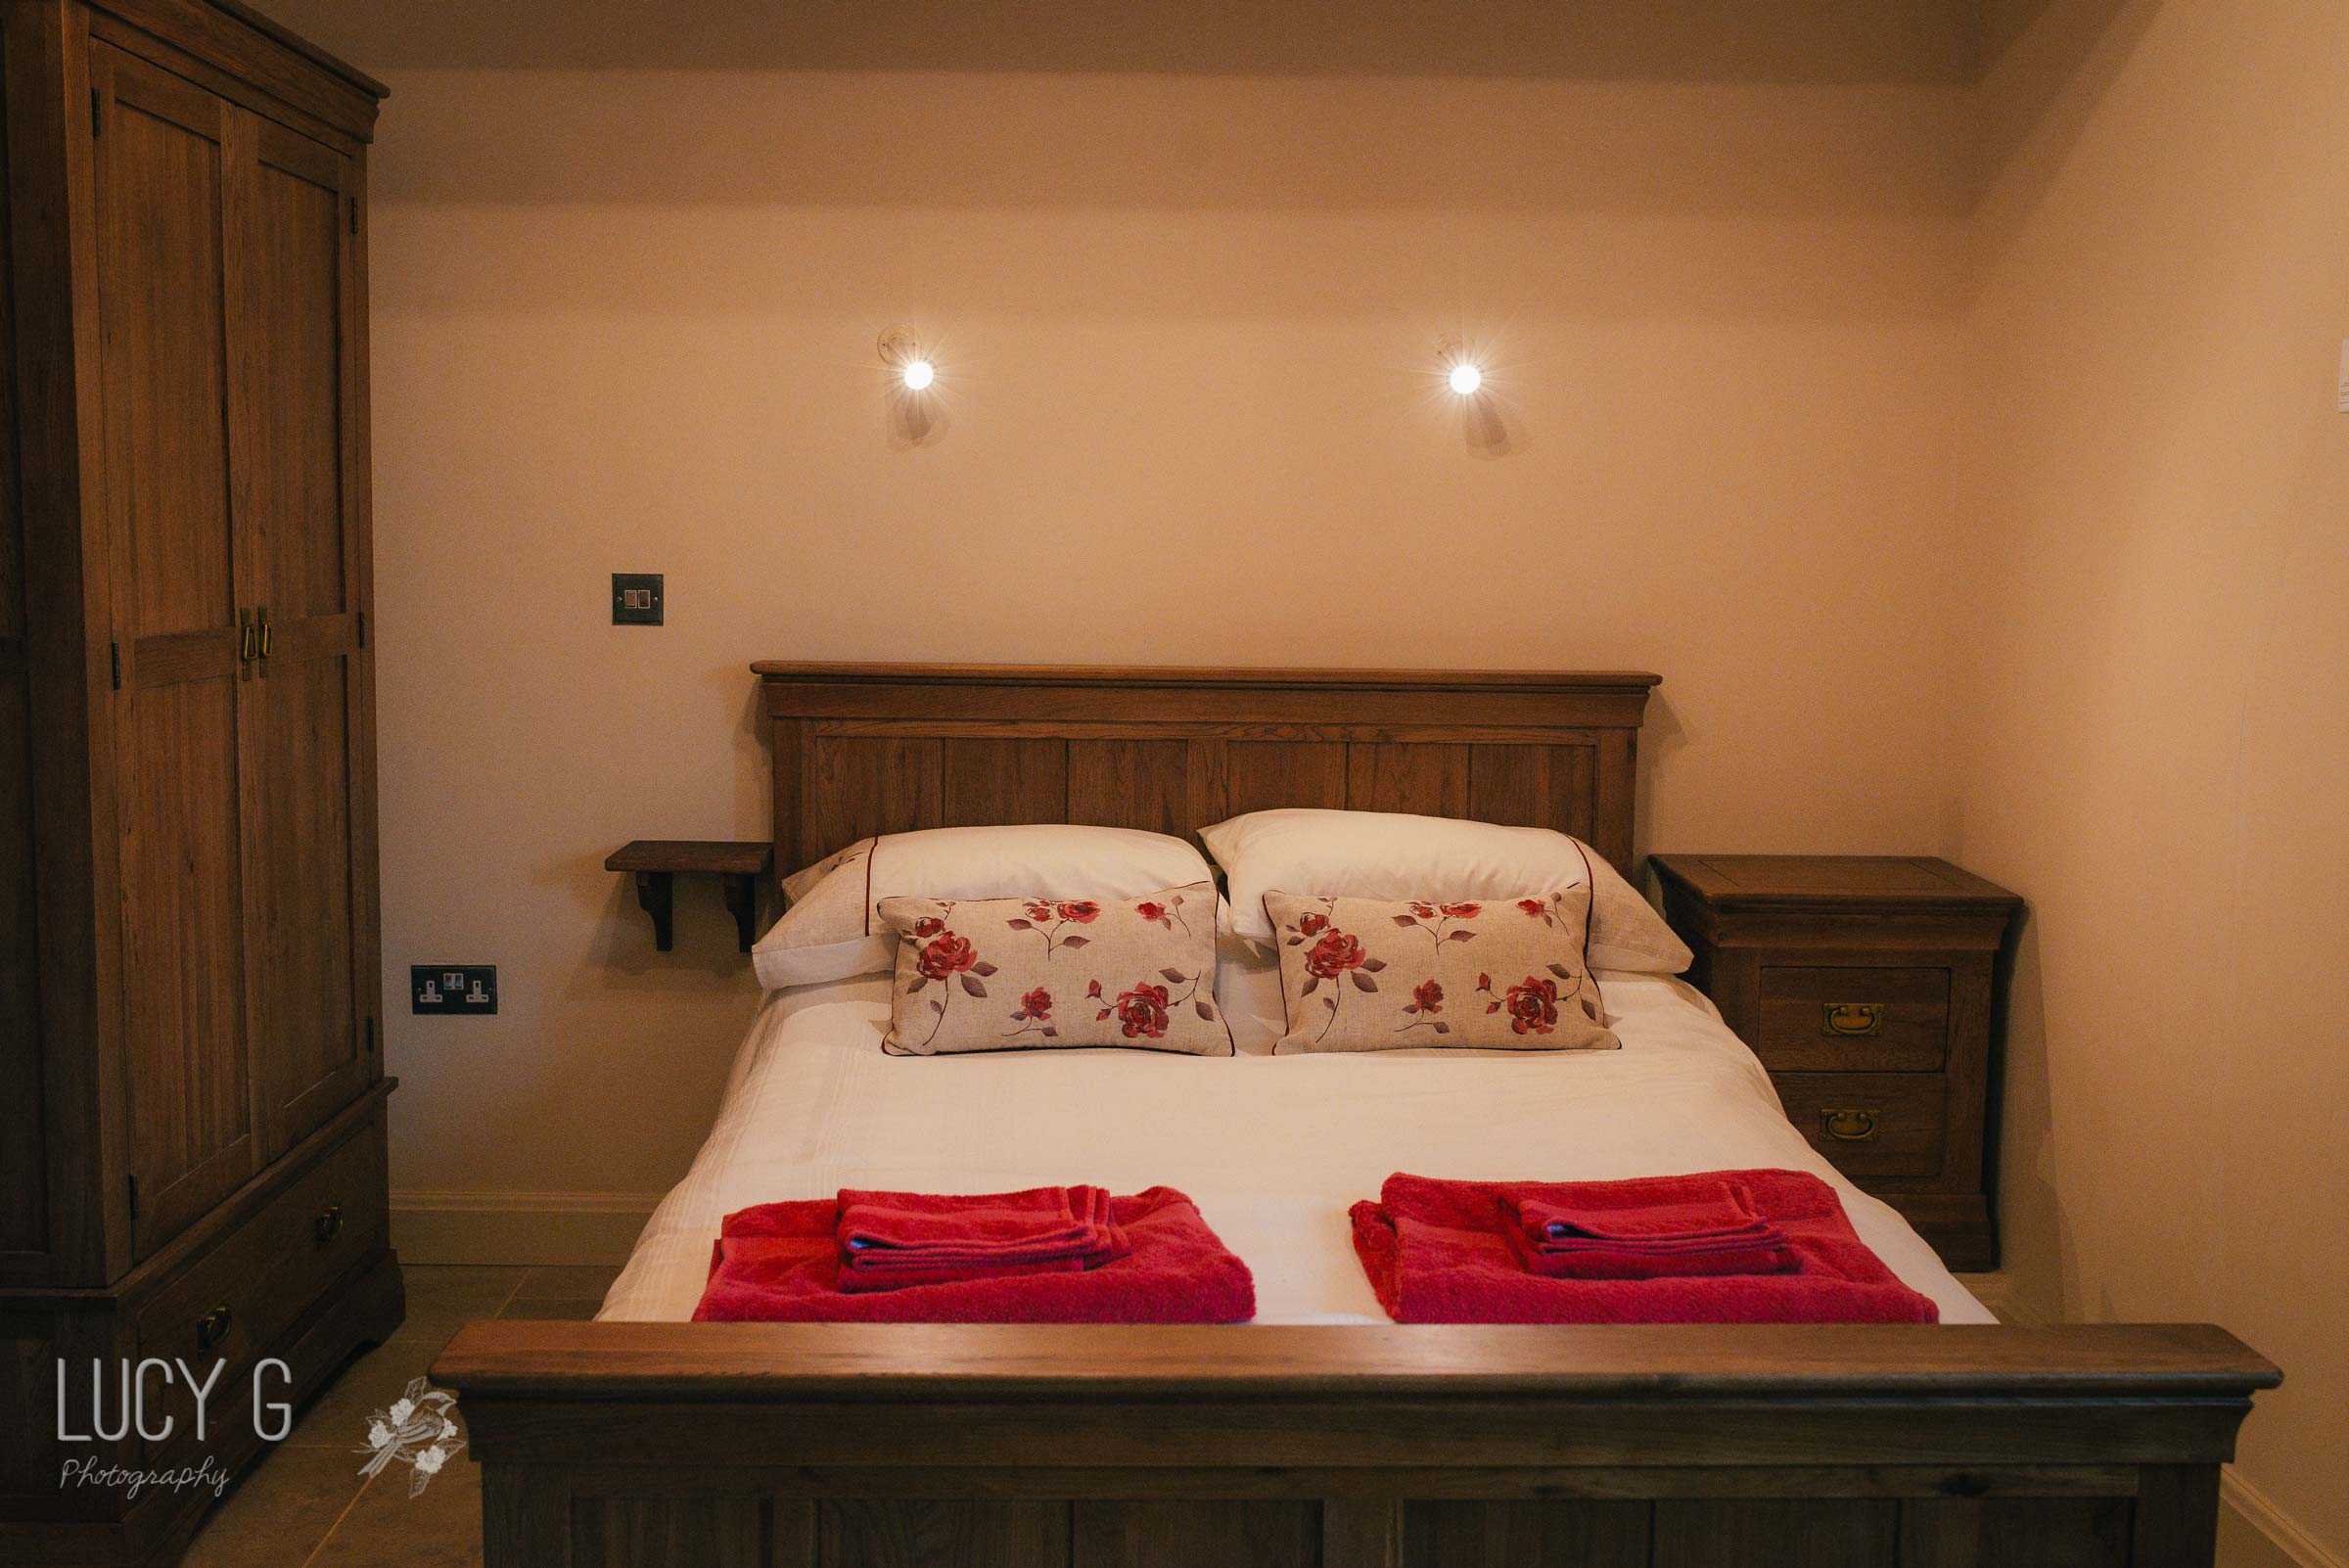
1870,1124
238,1300
1831,1018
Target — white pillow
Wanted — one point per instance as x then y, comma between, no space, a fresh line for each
830,930
1387,855
1248,994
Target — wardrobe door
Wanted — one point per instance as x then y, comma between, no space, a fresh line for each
308,883
166,156
23,1137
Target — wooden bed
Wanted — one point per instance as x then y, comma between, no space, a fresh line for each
1263,1447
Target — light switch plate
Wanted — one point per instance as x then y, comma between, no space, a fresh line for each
452,988
637,599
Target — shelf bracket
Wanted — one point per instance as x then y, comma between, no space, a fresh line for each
742,899
656,896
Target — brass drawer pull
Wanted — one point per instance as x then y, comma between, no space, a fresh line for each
1849,1126
1851,1018
212,1328
327,1224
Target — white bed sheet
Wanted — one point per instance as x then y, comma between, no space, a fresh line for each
1274,1148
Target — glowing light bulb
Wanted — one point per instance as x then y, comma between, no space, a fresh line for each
1465,379
917,374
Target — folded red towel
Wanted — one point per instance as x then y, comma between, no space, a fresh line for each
780,1263
884,1236
1016,1222
1769,1256
1613,1234
1716,1209
1439,1252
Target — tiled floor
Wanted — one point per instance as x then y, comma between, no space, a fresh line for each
305,1504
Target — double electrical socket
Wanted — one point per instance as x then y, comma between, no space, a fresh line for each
452,988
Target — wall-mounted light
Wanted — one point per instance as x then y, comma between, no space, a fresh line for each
903,354
1460,373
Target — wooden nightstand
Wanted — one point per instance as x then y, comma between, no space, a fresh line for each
1864,983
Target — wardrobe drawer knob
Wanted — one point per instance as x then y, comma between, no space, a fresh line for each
212,1328
329,1223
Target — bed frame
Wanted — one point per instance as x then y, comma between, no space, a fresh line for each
780,1445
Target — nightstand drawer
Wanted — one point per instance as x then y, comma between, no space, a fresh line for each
1870,1124
1831,1018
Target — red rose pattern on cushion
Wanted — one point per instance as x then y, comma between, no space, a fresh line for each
1046,919
1141,1011
1034,1013
1337,953
1334,954
1437,920
947,955
1427,1000
943,956
1167,914
1532,1004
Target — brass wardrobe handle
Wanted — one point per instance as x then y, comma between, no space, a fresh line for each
1851,1018
1849,1126
212,1328
329,1223
267,626
246,642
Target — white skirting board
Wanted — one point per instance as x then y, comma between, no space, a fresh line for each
2253,1532
519,1228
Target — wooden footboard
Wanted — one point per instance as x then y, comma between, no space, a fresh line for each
734,1445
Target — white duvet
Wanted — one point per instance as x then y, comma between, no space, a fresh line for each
1274,1148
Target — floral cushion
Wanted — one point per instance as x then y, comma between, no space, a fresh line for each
1496,974
999,974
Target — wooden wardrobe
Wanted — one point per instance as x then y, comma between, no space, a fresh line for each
191,1086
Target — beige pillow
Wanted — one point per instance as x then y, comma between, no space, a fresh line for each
1493,974
1003,974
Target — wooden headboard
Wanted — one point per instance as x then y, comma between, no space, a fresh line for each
864,749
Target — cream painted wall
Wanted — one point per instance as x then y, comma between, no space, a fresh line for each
625,319
2157,727
1940,405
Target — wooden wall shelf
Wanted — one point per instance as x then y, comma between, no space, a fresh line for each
657,862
